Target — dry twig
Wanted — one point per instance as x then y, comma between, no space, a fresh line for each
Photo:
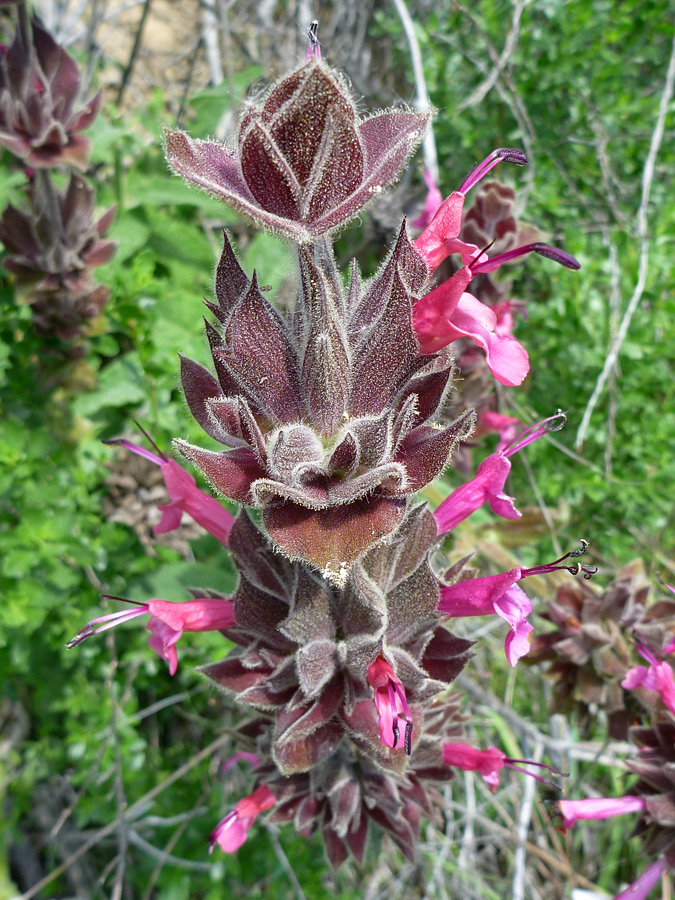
109,829
643,237
421,94
509,47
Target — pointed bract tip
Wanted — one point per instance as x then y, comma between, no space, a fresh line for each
557,255
512,155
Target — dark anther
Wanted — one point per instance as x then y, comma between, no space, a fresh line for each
584,548
556,254
588,571
578,569
480,253
517,157
396,732
408,737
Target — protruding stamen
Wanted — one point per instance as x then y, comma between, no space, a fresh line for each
584,548
534,432
106,622
506,154
147,437
479,254
314,48
554,253
137,449
645,649
396,691
540,778
578,569
122,599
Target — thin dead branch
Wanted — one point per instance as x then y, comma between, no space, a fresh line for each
421,94
524,820
126,75
510,44
110,828
643,237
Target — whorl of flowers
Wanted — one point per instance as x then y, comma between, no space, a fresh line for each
330,422
53,242
591,646
41,111
52,247
651,801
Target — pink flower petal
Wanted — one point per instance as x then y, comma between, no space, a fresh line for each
599,808
493,594
644,883
486,485
444,226
517,643
506,358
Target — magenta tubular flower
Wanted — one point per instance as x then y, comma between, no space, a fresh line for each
168,621
489,480
644,883
449,312
396,723
488,762
185,496
657,676
506,358
441,236
501,595
231,832
599,808
431,204
493,594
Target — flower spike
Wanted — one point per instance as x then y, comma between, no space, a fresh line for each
297,180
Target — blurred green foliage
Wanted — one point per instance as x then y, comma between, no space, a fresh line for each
581,91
